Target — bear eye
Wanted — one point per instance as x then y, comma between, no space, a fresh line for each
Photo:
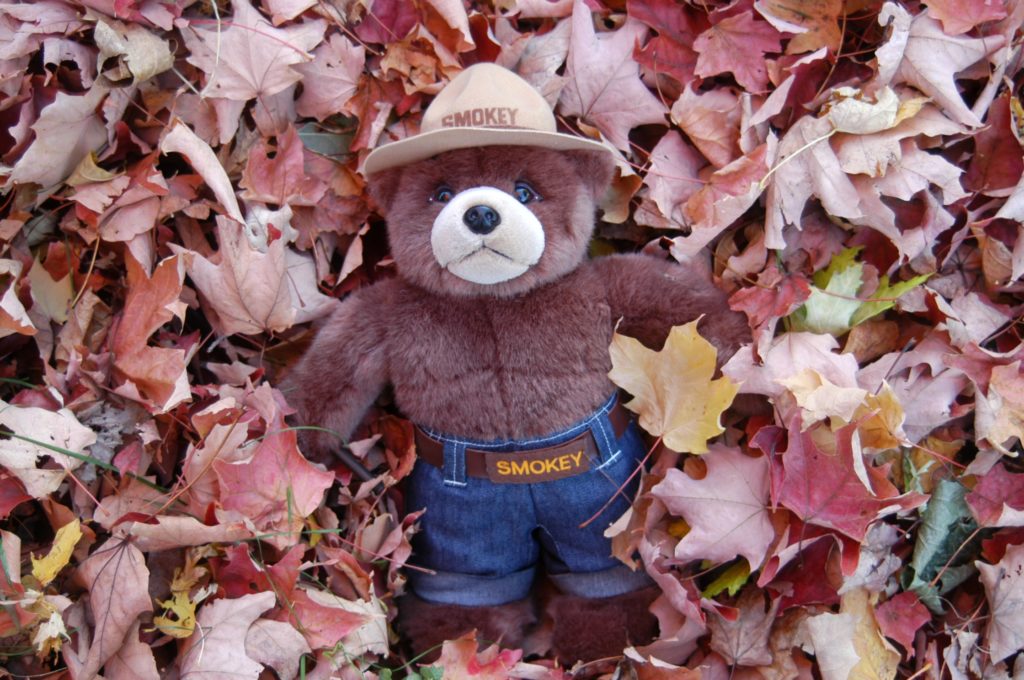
524,193
442,194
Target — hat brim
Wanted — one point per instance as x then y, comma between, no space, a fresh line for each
427,144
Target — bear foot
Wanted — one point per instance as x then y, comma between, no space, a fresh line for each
587,629
426,625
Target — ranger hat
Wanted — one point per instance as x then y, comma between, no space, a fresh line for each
485,105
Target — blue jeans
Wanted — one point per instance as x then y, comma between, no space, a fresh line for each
484,540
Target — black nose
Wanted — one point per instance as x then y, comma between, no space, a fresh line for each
481,219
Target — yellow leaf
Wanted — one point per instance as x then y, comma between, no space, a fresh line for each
47,568
674,394
880,421
819,398
180,619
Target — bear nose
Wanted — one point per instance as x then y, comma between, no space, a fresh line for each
481,219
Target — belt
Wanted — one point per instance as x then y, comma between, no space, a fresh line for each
529,466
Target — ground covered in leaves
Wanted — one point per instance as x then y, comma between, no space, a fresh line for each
182,199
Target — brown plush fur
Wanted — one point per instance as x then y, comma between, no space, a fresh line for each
512,360
426,625
598,628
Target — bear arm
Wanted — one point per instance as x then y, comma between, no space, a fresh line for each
342,372
651,295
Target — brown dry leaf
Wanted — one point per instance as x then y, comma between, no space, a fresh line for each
673,390
13,317
58,429
118,583
744,640
277,644
252,291
145,55
849,645
220,651
815,23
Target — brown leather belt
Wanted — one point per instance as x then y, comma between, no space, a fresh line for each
529,466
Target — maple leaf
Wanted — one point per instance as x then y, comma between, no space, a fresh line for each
671,51
1004,587
278,645
330,80
930,58
673,392
275,488
249,57
807,166
900,617
279,175
786,356
744,639
998,498
999,414
711,120
671,178
13,317
66,132
47,568
816,24
182,140
118,582
220,651
20,456
603,83
134,660
726,510
834,487
154,375
252,291
960,16
727,195
820,399
737,44
459,659
849,645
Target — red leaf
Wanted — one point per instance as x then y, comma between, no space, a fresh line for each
900,616
737,45
775,295
998,498
824,488
281,179
12,494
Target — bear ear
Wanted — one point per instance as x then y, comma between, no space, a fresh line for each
382,187
595,168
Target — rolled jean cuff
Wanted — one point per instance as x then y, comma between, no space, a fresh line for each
471,590
618,580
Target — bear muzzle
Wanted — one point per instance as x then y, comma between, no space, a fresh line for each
484,235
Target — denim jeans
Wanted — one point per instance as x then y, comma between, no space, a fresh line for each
483,540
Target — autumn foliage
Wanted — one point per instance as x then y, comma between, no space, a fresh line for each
182,199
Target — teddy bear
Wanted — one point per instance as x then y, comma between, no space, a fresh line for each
494,336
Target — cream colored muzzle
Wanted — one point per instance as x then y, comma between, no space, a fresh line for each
508,250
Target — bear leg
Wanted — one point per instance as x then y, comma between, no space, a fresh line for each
426,625
587,629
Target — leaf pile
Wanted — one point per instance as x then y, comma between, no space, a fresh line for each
182,197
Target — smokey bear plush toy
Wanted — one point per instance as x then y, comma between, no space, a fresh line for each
494,336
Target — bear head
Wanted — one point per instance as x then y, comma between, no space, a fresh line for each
492,220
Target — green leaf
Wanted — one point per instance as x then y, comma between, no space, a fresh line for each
830,309
732,579
946,524
885,297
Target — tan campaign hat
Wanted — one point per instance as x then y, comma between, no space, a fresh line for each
485,105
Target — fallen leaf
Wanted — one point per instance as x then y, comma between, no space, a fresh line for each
673,392
997,500
331,79
278,645
603,84
834,487
900,617
57,429
46,569
460,660
66,131
133,661
711,120
13,317
248,57
930,59
118,582
960,16
737,44
815,24
743,640
145,55
181,139
1004,588
726,511
849,645
251,291
220,652
820,399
